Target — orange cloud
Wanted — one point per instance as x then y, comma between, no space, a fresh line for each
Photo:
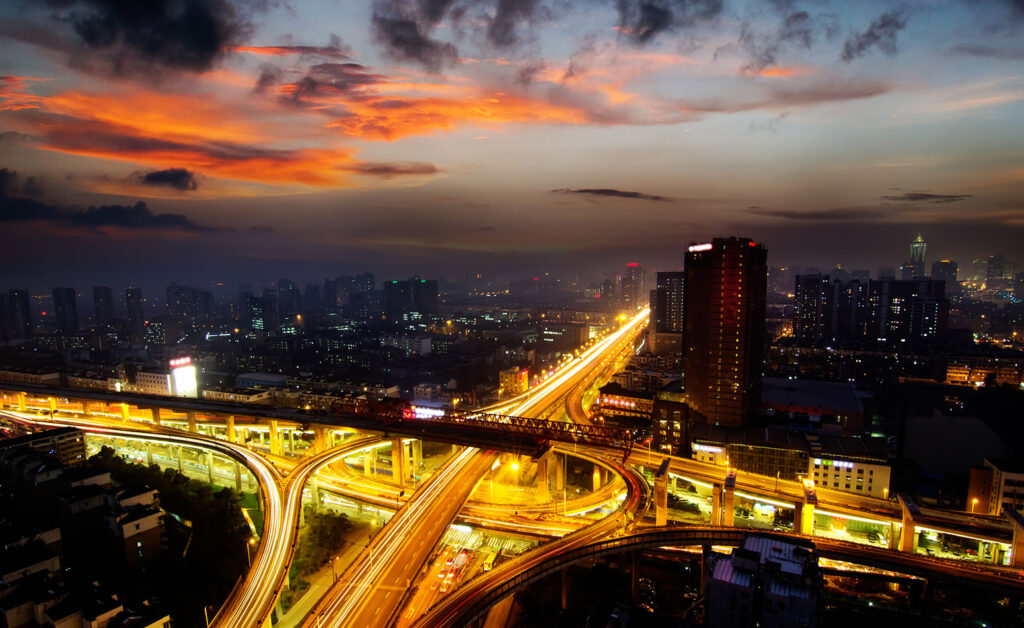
780,72
13,96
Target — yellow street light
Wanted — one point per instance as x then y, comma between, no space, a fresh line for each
974,502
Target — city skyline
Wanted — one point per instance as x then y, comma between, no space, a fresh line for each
406,137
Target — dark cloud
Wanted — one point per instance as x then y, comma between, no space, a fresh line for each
177,178
785,95
925,197
797,29
509,15
614,193
851,214
136,37
330,79
526,74
1007,54
881,34
643,20
390,170
403,27
335,49
771,125
13,184
139,216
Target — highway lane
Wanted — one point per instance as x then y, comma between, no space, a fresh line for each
379,580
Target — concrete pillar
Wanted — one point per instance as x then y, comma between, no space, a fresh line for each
156,415
209,465
190,416
560,461
238,477
543,493
728,507
85,408
565,588
275,438
320,438
803,518
229,428
908,539
149,453
398,462
597,477
180,466
894,535
125,414
716,505
661,500
417,455
368,462
291,441
22,402
53,405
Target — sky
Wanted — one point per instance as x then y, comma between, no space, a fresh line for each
214,140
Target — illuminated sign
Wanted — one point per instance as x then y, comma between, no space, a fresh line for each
708,448
426,413
833,463
632,264
175,363
185,380
694,248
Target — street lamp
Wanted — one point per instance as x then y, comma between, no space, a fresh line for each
974,502
248,554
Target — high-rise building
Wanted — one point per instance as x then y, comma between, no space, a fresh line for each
945,270
330,295
20,315
136,315
994,267
66,310
634,286
812,307
190,308
665,331
907,311
724,317
862,275
1018,287
914,268
103,304
411,296
287,298
311,299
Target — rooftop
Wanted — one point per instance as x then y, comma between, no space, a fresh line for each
811,394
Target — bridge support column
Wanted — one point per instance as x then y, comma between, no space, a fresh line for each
180,465
238,477
894,536
417,455
85,409
803,518
597,477
22,402
149,453
661,500
320,439
229,428
398,462
275,438
561,462
53,405
716,505
209,466
190,416
543,474
908,540
368,463
728,507
125,414
155,412
565,588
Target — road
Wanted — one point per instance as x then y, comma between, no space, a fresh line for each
372,591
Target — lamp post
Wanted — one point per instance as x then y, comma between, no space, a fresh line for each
974,502
248,554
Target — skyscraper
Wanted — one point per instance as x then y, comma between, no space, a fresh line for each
66,310
812,306
915,267
413,295
634,286
945,270
20,316
724,316
136,316
907,311
103,303
666,329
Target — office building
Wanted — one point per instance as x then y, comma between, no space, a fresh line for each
190,308
65,310
634,286
812,308
769,581
1018,287
19,316
724,319
136,315
907,311
914,268
412,297
287,298
946,270
65,444
665,332
998,486
103,305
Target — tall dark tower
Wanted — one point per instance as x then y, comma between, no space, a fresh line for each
724,316
103,302
66,309
136,317
21,315
634,286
